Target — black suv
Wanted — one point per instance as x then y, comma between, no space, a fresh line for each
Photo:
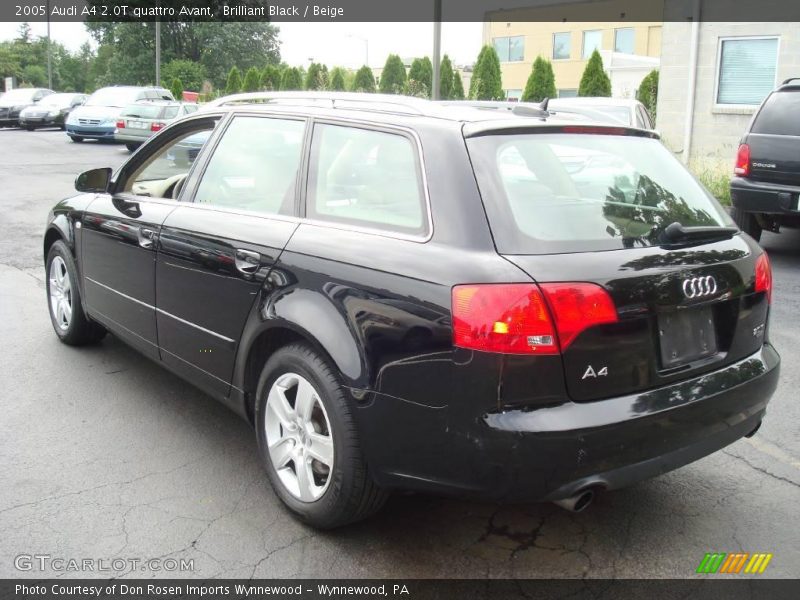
400,295
766,184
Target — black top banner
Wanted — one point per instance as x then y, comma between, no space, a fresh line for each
399,11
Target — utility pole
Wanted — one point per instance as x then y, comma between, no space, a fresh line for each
437,48
158,53
49,51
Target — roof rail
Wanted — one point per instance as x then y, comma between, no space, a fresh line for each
525,109
785,81
394,103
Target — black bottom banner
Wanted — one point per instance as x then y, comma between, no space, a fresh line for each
414,589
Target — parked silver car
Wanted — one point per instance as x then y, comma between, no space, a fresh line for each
626,111
140,120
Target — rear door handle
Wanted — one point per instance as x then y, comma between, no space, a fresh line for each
247,262
147,237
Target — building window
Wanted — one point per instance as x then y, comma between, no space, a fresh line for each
591,42
746,69
562,45
510,49
513,95
623,40
568,93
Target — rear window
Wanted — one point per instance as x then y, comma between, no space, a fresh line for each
551,193
780,114
143,111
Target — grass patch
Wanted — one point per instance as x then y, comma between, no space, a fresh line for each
716,180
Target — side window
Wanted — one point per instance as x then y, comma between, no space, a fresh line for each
364,177
254,166
188,109
170,112
163,173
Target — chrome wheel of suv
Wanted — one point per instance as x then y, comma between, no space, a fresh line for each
299,437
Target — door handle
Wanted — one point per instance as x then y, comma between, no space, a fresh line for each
147,237
247,262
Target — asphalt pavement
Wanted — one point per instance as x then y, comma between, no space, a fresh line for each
104,455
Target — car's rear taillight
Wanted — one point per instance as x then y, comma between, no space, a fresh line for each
764,276
523,318
742,167
157,126
120,124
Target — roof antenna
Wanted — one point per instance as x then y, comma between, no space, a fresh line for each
544,103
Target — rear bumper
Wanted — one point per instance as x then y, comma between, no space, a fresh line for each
552,452
764,197
130,139
91,133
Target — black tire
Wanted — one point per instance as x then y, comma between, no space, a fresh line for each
747,222
76,139
30,127
132,147
351,495
80,330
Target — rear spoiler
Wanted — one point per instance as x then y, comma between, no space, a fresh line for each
509,127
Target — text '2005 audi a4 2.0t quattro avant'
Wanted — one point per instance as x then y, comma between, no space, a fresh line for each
404,296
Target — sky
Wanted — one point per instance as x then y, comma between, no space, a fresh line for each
340,44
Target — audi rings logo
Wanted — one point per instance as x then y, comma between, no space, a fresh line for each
700,287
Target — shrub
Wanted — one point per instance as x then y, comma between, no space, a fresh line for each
393,76
252,80
234,85
647,93
446,79
486,83
541,82
595,81
292,79
337,80
271,78
364,80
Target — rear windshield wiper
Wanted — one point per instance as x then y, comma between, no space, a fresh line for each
675,233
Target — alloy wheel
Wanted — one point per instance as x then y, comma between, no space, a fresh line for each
60,293
299,437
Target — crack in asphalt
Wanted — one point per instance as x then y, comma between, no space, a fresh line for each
761,469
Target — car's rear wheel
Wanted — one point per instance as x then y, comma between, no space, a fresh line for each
308,441
76,139
30,127
747,222
70,323
132,147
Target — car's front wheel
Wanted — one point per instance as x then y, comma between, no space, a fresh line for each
76,139
747,222
70,323
132,147
308,441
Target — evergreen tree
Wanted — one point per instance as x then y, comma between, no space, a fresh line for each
337,80
252,80
647,93
486,83
421,72
176,87
364,80
393,76
458,86
595,81
271,78
541,82
316,78
234,85
292,79
446,79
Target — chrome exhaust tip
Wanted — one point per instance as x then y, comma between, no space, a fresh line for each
576,503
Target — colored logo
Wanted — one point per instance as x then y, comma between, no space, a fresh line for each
734,563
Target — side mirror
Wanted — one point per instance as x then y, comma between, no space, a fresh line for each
94,181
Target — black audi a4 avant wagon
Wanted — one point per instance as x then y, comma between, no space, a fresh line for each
400,295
